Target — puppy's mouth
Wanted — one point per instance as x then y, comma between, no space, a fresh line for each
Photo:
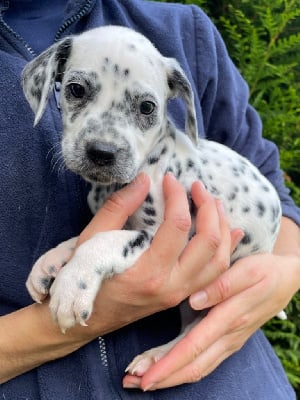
103,163
106,177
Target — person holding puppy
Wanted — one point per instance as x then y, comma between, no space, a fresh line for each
225,355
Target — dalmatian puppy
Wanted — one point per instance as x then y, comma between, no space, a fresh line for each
115,87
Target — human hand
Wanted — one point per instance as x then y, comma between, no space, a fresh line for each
162,277
244,297
170,270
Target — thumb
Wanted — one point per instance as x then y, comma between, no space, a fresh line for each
117,208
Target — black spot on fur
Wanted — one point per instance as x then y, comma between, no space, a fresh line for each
191,122
82,285
125,252
153,160
213,190
178,169
149,199
52,270
178,83
139,242
246,209
116,69
36,93
254,176
149,221
84,315
265,188
164,150
190,164
247,239
255,248
275,212
235,172
132,47
46,282
261,209
199,175
231,196
150,211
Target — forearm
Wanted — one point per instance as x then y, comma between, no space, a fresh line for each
29,338
288,241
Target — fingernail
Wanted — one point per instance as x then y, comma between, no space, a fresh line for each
198,300
131,386
139,179
149,387
240,235
201,184
171,175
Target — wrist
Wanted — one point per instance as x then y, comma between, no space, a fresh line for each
29,338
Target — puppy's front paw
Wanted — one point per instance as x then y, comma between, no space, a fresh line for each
47,267
73,293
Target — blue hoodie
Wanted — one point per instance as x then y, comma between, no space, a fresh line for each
41,204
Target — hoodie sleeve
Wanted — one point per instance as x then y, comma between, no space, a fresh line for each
227,115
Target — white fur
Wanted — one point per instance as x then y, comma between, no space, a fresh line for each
108,139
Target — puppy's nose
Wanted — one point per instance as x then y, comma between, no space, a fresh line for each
101,154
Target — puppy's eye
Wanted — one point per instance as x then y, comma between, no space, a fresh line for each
147,107
77,90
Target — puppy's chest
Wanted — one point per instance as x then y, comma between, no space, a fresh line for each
149,215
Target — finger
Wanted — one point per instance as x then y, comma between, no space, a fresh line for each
185,352
230,316
117,208
233,281
228,344
210,249
205,242
172,235
193,372
234,319
236,236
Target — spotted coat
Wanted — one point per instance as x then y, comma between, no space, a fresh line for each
115,88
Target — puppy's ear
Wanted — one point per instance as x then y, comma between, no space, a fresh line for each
39,75
179,86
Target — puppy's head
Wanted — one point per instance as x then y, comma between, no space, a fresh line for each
114,91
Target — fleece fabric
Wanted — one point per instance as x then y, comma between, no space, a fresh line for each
42,204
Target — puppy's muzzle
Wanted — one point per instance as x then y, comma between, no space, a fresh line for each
101,154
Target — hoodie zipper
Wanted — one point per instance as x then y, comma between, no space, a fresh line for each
74,18
81,13
114,395
17,36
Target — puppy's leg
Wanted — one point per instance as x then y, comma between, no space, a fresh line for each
74,290
47,267
143,362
